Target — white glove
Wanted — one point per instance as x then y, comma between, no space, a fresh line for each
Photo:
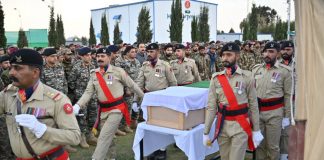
285,123
257,138
135,107
76,109
206,140
30,122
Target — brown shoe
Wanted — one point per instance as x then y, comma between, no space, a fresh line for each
128,130
92,140
83,142
120,133
70,149
133,124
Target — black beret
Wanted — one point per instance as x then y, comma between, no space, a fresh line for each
287,44
103,50
84,50
179,46
127,49
232,47
49,51
201,47
272,45
26,57
152,46
4,58
113,48
168,46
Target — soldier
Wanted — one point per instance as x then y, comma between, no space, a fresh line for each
247,58
53,74
188,53
232,96
287,54
184,69
273,84
39,118
168,54
78,80
93,56
68,65
108,83
113,49
155,74
258,52
5,65
141,55
202,61
2,52
131,65
213,58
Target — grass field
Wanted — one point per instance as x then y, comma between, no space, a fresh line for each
125,152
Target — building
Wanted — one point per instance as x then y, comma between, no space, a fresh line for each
127,17
231,37
35,37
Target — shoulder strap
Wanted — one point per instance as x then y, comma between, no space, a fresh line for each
228,91
23,135
104,87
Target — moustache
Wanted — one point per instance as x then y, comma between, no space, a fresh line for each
14,79
100,61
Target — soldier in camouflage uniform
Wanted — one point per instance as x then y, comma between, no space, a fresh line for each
258,53
188,53
78,80
67,65
113,49
53,74
247,58
202,61
168,54
5,65
93,56
131,65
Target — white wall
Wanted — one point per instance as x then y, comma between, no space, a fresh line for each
229,37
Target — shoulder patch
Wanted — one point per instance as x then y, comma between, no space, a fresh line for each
68,109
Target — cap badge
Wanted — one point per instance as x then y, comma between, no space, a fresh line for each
230,48
271,45
18,59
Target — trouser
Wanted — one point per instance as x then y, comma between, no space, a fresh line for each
232,141
108,128
87,121
270,126
284,141
5,148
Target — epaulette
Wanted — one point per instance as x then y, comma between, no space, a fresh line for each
146,63
10,87
173,61
53,94
285,66
256,66
247,73
216,74
94,70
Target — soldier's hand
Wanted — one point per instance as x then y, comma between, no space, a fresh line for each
76,109
285,123
206,141
30,122
257,138
135,107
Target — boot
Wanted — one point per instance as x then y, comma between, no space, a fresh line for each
92,140
83,142
120,133
133,124
128,130
70,149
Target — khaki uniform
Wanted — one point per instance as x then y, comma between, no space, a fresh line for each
185,72
156,78
62,127
233,139
109,120
271,121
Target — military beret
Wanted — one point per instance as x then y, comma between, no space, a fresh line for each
49,51
168,46
127,49
84,50
213,46
272,45
179,46
103,50
113,48
287,44
26,57
4,58
232,47
12,49
201,47
152,46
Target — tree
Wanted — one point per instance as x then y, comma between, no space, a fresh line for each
52,33
22,39
3,39
117,35
144,32
231,31
246,29
176,23
253,21
92,39
203,25
104,38
60,31
84,41
194,29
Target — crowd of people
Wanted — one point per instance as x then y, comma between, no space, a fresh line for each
79,95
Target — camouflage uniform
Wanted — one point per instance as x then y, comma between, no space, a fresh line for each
1,85
5,148
247,60
167,59
258,56
203,62
5,77
219,64
67,70
78,80
55,78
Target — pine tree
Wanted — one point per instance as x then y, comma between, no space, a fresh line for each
3,39
246,30
92,39
175,27
253,24
104,38
144,32
22,39
60,31
194,29
203,25
84,41
52,33
117,36
231,31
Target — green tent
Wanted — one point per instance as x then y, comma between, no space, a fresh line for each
36,38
